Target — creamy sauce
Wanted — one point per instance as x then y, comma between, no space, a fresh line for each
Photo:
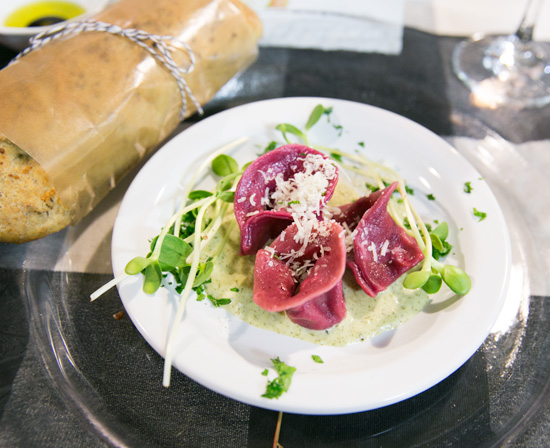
366,316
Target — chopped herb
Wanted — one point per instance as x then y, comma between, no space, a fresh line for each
431,197
336,157
270,147
317,359
339,128
315,115
372,187
234,289
281,384
361,144
480,215
441,252
468,187
265,372
218,302
409,190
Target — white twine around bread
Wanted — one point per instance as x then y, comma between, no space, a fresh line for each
160,47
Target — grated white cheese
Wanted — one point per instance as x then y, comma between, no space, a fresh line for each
384,248
241,200
251,199
302,194
372,248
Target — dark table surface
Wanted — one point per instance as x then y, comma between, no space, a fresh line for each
70,375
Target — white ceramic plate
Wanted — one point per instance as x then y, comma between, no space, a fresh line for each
228,355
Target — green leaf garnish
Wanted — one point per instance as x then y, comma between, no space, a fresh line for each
173,253
441,231
281,384
234,289
204,273
433,284
480,215
218,302
437,254
227,196
336,157
436,242
153,278
317,359
224,165
416,279
431,197
468,187
136,265
316,114
456,279
288,128
269,147
199,194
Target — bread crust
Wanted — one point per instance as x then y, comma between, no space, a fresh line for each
29,205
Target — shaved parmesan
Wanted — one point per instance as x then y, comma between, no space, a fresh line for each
372,248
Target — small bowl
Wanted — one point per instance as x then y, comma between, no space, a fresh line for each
17,38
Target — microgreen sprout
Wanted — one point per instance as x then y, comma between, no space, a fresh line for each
178,249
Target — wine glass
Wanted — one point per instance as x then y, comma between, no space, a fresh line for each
509,70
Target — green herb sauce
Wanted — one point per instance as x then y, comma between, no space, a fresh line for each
367,317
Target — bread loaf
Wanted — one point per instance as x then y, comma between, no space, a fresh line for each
29,205
81,111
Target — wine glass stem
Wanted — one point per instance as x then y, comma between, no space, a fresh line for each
527,25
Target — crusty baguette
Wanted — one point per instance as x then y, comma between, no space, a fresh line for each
81,111
29,205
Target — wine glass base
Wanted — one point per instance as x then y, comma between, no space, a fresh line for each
504,71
